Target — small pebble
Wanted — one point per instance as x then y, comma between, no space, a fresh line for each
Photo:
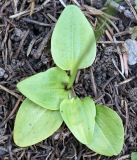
56,136
3,151
131,46
6,76
17,35
2,72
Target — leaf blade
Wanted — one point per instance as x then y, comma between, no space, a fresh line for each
108,135
34,124
79,116
46,88
68,44
134,156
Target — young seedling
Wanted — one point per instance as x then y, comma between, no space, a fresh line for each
49,95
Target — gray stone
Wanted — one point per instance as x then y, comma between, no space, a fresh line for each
131,46
2,72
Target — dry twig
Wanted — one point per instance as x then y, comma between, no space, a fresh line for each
21,43
12,112
32,7
9,91
37,9
63,3
93,83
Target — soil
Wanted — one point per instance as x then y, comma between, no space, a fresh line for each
25,50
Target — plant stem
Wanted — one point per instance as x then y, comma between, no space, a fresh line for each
72,77
75,68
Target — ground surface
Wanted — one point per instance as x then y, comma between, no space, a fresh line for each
25,50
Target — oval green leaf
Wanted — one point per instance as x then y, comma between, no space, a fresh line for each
134,156
34,124
108,135
73,43
79,116
46,89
